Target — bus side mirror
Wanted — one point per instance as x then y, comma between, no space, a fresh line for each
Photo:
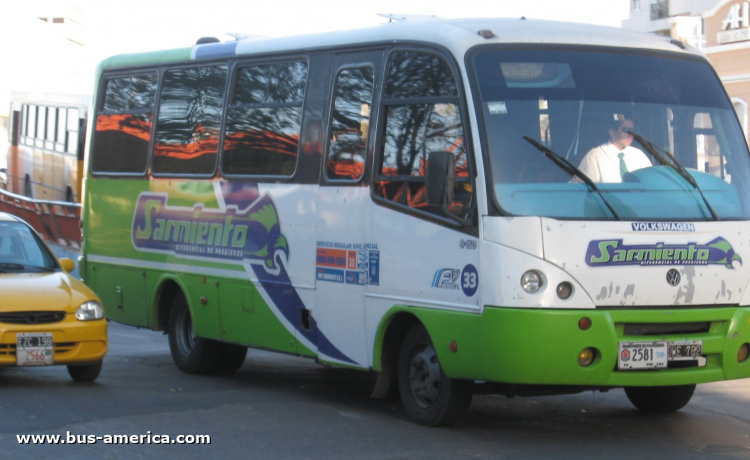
440,178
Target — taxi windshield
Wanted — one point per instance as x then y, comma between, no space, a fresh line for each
637,136
21,251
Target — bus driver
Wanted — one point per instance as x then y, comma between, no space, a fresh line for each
609,162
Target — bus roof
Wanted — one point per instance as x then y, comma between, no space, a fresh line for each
457,35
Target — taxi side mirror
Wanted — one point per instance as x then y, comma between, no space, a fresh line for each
67,264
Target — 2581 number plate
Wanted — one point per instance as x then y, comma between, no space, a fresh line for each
656,355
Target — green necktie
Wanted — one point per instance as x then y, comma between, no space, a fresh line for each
623,166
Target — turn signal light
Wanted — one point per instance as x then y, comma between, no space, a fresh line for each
586,357
743,353
564,290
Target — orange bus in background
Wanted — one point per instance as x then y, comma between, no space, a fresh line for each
46,135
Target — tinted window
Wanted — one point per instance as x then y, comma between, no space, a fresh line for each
422,115
264,119
123,125
189,121
350,123
415,74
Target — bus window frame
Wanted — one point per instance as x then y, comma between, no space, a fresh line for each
378,72
157,105
236,66
375,177
99,110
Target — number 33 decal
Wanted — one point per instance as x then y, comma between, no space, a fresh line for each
469,280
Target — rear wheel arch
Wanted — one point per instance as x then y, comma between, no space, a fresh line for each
165,294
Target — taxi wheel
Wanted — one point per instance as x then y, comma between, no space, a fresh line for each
85,373
191,354
660,399
429,397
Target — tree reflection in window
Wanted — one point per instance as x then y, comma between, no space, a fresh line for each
350,123
264,119
123,125
189,121
422,115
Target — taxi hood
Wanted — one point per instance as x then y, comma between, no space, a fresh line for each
35,291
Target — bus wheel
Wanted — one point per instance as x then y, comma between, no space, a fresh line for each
232,358
429,397
191,354
85,373
660,399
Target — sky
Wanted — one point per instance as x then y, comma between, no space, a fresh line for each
111,27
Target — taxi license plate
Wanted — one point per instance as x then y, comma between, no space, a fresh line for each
34,349
656,355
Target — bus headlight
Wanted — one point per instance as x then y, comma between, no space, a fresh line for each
90,311
531,281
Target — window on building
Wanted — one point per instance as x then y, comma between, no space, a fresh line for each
740,106
264,120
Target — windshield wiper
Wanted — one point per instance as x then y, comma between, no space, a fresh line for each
663,155
11,266
571,169
6,267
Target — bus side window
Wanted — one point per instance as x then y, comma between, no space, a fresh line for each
189,121
264,120
422,115
350,124
123,125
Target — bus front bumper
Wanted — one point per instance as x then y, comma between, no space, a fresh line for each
542,346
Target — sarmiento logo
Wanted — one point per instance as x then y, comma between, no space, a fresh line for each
251,236
608,253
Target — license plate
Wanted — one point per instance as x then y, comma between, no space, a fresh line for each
656,355
34,349
686,350
642,355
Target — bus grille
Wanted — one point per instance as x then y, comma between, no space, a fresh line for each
666,328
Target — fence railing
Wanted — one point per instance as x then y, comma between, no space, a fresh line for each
57,221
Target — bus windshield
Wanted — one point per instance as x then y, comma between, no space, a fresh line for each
650,135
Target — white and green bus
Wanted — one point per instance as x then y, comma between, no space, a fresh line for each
407,200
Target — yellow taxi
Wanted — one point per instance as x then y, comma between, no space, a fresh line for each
47,316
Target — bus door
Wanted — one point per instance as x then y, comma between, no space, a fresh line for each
342,253
427,254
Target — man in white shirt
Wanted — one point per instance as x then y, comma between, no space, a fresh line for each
609,162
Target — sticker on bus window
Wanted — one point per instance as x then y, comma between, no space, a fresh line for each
497,108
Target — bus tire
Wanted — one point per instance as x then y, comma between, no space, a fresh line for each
232,358
191,354
660,399
86,372
429,397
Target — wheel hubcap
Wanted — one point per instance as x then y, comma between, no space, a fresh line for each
424,376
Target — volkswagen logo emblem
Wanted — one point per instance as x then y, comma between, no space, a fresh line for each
673,277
